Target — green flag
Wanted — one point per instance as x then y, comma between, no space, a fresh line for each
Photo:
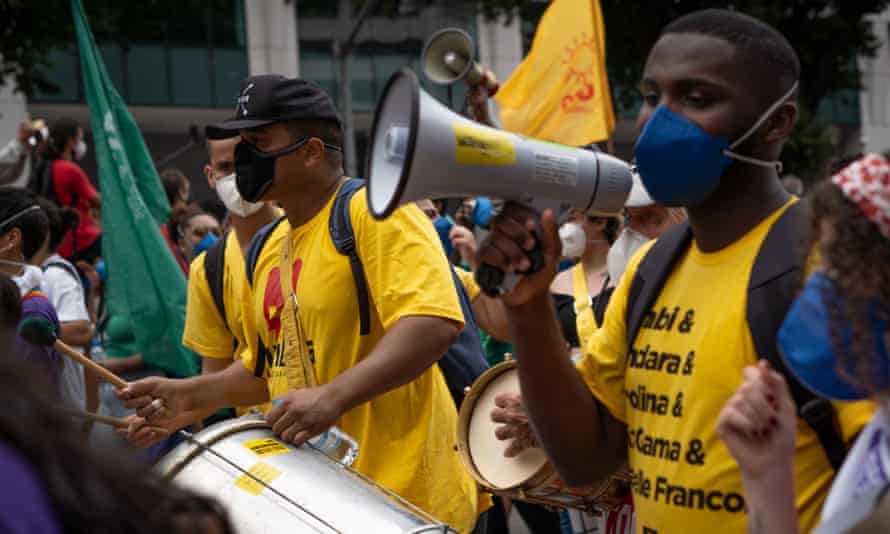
149,286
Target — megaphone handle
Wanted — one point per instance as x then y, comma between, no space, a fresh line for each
494,282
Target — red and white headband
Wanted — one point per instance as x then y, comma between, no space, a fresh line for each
867,183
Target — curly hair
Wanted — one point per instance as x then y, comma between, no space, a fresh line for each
858,260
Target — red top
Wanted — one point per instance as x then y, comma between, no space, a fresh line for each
176,255
74,189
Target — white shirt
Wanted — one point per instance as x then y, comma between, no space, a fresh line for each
66,294
862,478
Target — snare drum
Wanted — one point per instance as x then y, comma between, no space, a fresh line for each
281,488
527,476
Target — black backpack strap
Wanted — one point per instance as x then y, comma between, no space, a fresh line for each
67,267
776,277
214,267
651,275
342,234
256,246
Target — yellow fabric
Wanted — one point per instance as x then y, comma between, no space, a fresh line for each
585,320
685,364
206,332
560,91
407,435
468,279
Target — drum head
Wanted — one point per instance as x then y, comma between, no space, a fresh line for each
487,452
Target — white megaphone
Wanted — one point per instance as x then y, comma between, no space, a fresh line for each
420,149
448,57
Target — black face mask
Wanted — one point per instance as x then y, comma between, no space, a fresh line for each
255,170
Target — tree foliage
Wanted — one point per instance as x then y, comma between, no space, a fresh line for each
828,35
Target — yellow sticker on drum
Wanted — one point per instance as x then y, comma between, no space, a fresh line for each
481,146
263,475
266,447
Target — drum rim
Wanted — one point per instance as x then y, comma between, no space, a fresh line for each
208,437
542,477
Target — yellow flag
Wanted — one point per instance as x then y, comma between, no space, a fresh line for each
560,91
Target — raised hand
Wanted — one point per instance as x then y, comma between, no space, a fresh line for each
512,237
759,422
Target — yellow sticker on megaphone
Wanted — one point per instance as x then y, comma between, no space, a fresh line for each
483,146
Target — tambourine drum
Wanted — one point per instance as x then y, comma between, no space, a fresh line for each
281,488
527,476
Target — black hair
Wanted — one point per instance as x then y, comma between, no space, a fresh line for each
10,309
328,131
85,491
173,181
33,224
757,43
61,219
60,131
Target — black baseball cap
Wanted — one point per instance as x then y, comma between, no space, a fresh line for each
270,98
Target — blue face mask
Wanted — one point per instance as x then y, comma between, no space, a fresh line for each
806,344
482,212
680,164
443,228
209,240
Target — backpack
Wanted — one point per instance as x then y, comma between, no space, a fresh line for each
41,181
465,359
772,286
214,267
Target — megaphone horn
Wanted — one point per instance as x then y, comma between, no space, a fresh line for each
420,149
448,57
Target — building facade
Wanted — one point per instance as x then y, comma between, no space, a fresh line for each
181,70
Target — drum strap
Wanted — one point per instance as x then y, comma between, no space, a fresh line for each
300,370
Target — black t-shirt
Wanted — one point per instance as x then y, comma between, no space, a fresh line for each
565,311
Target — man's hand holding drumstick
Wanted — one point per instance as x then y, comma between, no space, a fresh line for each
41,332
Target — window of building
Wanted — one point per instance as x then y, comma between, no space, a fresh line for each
171,52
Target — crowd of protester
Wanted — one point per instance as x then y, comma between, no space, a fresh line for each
724,337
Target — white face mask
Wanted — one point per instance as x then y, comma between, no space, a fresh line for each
574,240
30,278
622,250
80,149
229,195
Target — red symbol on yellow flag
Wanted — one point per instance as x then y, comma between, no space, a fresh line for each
580,73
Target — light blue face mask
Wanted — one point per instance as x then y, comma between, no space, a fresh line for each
680,164
806,344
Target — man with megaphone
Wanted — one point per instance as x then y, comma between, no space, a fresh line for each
694,307
325,348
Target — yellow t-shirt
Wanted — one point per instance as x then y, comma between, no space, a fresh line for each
406,435
468,279
206,331
684,365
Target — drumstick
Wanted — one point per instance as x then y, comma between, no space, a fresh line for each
111,421
104,419
41,332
